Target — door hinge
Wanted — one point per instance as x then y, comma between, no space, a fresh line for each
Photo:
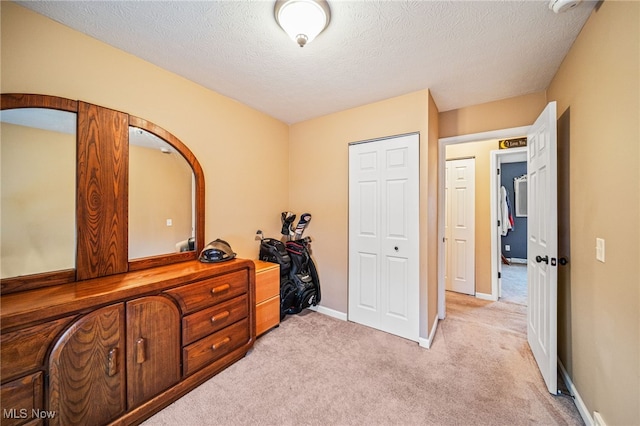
497,171
498,223
499,275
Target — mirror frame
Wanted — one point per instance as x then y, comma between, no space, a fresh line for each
46,279
163,259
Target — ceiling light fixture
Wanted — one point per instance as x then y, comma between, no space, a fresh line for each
302,20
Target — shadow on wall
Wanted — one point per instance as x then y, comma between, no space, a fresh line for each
564,243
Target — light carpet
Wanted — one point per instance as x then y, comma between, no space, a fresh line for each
318,370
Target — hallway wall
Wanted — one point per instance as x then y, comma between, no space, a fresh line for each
599,81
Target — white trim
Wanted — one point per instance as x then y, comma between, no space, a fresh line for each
442,143
580,405
426,343
486,296
598,420
329,312
483,136
494,163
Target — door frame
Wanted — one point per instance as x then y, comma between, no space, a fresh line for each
442,144
499,157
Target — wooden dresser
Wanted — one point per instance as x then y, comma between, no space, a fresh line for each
116,349
267,296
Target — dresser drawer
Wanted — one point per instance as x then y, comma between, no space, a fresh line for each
205,293
267,283
24,350
267,315
20,399
214,346
207,321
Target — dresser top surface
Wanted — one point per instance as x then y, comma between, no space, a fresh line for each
50,302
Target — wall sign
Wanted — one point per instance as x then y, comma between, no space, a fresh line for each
512,143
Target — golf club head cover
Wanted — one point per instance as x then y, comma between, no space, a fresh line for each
287,221
305,218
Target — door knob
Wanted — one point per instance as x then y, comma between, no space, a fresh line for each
542,259
396,248
563,261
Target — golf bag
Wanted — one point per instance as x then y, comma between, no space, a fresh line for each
303,279
274,251
299,283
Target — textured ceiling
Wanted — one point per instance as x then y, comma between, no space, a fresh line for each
465,52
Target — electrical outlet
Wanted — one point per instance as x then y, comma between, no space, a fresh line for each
507,247
600,249
169,222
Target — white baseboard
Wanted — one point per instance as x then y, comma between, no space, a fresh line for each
329,312
426,343
582,408
485,296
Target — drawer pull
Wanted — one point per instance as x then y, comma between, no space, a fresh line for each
140,350
220,289
112,362
220,316
221,343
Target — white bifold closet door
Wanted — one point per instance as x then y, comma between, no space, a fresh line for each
384,249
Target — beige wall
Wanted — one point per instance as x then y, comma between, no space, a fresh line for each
319,180
38,202
243,152
481,152
599,82
429,207
502,114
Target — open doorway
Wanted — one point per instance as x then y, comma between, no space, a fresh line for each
487,269
510,185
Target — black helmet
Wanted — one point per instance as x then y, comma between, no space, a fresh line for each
217,251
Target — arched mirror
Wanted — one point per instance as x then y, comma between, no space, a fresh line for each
166,197
37,187
161,197
62,212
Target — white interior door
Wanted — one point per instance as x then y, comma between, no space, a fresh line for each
542,245
460,225
384,235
